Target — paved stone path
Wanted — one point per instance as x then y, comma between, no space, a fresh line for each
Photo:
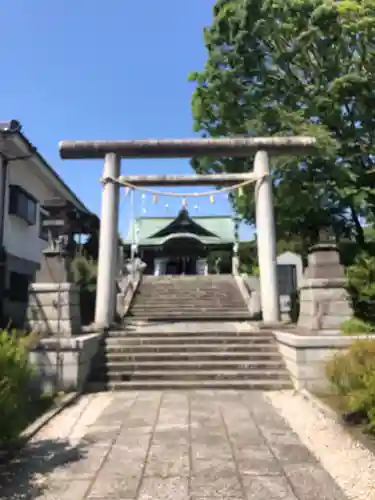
198,445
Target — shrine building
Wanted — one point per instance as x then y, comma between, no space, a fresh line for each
180,245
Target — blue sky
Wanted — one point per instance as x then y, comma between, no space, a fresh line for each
88,69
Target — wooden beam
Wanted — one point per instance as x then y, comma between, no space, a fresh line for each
184,148
186,180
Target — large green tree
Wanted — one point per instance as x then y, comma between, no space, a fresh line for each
280,67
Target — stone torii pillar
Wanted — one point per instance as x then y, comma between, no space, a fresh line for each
266,240
108,241
112,151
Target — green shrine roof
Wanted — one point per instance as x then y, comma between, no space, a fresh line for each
158,230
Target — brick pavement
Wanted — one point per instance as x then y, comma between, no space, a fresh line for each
196,445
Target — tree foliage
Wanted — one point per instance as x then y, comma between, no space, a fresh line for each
281,67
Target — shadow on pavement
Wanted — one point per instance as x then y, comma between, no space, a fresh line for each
23,477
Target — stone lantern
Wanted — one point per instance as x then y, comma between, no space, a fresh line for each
54,300
324,301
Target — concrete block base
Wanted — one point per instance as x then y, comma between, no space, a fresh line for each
54,309
63,364
324,304
305,356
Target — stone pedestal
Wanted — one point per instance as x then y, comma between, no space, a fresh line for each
54,302
54,268
324,301
54,309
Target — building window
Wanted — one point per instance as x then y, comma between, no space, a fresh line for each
43,231
19,286
22,204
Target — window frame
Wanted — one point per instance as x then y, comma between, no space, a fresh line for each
17,195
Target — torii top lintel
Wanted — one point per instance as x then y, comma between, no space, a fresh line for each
185,148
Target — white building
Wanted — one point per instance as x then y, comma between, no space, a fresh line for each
26,182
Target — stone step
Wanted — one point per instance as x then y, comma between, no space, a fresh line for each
154,375
198,292
151,277
190,282
194,365
197,357
193,296
192,348
193,291
161,348
187,306
260,385
181,285
174,298
178,295
173,315
138,325
203,285
186,277
151,320
141,333
215,325
187,340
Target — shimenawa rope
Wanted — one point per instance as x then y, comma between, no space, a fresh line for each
182,195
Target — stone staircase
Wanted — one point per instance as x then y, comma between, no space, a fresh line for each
173,298
188,355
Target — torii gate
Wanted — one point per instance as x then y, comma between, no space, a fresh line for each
114,151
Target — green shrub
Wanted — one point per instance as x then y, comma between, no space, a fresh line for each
84,274
15,377
357,326
361,286
225,262
352,375
349,251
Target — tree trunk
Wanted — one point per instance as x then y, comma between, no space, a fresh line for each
360,235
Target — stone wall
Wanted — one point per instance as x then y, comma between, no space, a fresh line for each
63,364
305,357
